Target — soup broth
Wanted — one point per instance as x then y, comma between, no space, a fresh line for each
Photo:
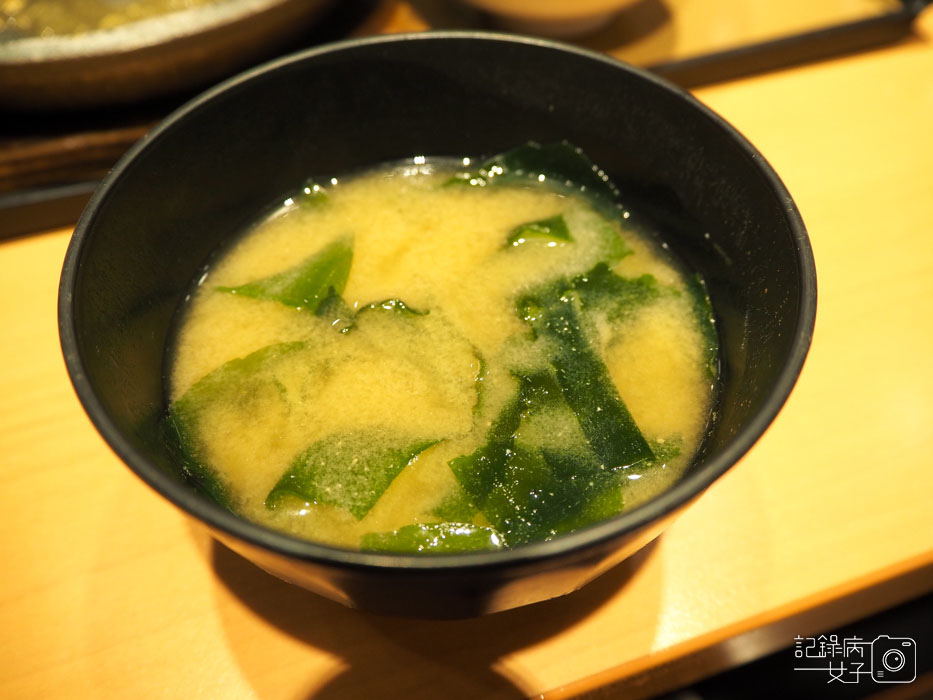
415,360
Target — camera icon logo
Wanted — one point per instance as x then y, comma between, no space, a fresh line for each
893,659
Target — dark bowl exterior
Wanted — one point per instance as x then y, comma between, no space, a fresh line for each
211,167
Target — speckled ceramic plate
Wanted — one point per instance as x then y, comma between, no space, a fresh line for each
148,58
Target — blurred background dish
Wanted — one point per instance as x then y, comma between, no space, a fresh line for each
98,52
67,121
23,18
553,18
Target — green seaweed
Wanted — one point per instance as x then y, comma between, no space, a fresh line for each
480,471
552,229
615,246
435,538
482,372
666,450
336,312
350,470
311,195
538,495
236,380
603,503
558,165
455,507
584,379
703,310
179,437
603,289
528,493
307,285
393,305
344,319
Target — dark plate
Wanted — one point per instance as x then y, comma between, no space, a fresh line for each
149,58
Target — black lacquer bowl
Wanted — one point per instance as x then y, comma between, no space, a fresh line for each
209,168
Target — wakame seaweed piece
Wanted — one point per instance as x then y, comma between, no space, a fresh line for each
309,283
616,247
551,229
311,194
232,376
532,499
584,379
599,289
601,504
159,427
526,493
395,305
666,450
233,380
546,490
434,538
336,311
603,289
482,373
398,309
559,163
342,318
179,438
456,507
349,470
703,309
525,498
480,471
542,493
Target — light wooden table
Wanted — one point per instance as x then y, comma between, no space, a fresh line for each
107,592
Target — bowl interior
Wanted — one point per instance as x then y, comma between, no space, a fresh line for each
212,167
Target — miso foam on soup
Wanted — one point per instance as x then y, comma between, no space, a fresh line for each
421,360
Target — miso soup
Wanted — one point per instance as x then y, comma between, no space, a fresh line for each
425,358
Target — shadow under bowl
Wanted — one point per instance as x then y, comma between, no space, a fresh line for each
207,171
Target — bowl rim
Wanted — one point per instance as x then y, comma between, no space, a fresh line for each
693,484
